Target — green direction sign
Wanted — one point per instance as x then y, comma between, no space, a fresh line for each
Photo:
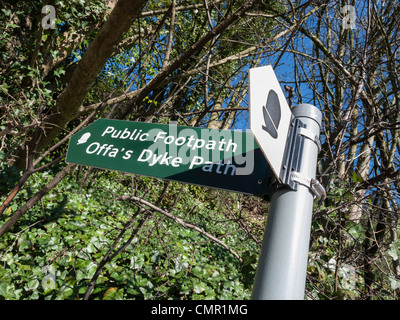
224,159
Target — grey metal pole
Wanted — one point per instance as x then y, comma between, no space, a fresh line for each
282,266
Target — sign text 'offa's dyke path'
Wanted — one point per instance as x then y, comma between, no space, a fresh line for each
224,159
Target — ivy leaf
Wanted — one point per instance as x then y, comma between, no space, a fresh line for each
54,53
112,294
59,72
32,285
394,250
7,290
394,283
199,287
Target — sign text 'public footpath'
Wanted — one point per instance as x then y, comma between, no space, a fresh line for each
224,159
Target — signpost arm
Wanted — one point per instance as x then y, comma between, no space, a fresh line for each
282,267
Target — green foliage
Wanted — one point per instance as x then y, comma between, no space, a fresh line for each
337,265
56,249
36,63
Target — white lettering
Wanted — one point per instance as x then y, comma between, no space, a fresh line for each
220,309
211,145
176,162
115,134
199,143
196,161
165,159
125,134
231,144
168,310
162,159
169,140
147,158
108,130
88,149
128,154
113,153
183,139
155,159
159,135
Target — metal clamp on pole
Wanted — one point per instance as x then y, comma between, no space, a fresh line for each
315,186
310,135
292,161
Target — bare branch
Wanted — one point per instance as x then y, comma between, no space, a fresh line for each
180,221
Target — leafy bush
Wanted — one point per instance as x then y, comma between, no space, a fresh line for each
55,250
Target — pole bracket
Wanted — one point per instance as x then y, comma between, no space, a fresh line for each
290,175
310,135
291,158
313,184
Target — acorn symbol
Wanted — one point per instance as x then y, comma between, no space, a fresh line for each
84,138
272,114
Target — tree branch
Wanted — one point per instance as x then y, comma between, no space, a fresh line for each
180,221
162,75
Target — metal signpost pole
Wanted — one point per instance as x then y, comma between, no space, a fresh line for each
282,267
